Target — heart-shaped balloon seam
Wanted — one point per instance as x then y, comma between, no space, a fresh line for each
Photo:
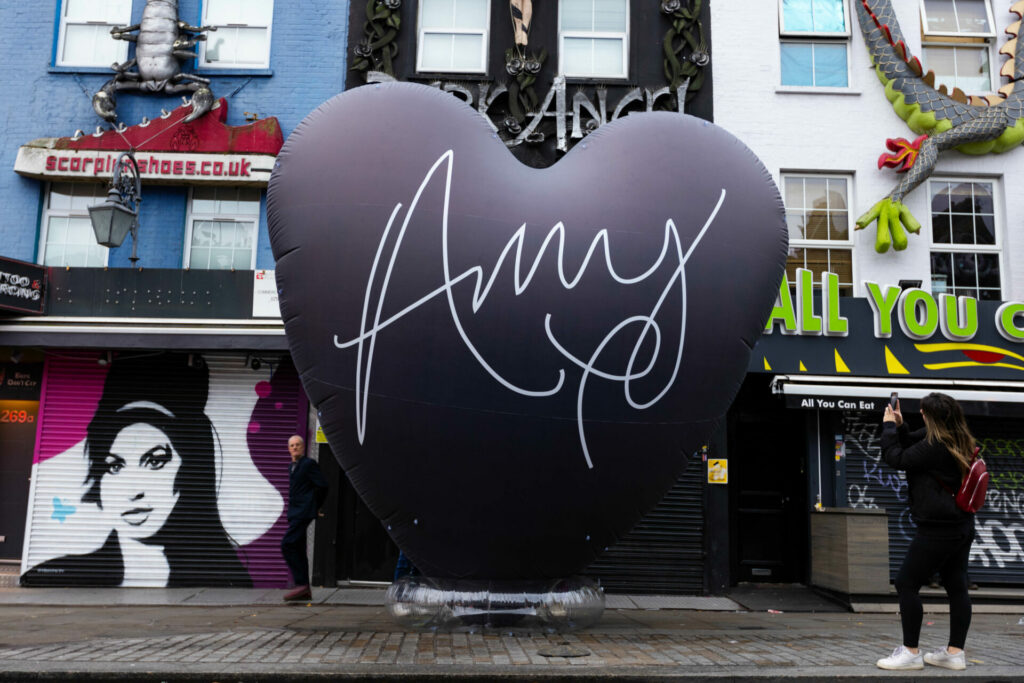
513,364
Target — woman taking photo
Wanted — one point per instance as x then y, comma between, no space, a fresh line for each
935,460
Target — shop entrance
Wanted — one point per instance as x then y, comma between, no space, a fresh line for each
19,412
768,487
351,544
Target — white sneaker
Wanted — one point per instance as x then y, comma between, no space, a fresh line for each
941,657
901,659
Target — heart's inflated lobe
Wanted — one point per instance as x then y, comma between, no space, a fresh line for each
512,364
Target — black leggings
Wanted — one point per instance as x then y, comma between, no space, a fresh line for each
942,550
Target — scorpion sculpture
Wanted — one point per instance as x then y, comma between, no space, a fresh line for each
943,120
162,42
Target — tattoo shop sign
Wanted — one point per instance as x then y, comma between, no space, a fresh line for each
171,168
22,286
892,331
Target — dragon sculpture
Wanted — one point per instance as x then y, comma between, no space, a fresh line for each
943,120
162,42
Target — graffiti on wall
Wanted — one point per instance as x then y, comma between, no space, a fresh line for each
871,483
160,470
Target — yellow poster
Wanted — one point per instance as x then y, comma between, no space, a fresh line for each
718,471
320,436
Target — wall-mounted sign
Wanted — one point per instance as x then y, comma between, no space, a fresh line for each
265,295
22,286
890,332
155,167
718,471
169,151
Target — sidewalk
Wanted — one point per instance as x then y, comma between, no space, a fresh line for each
346,634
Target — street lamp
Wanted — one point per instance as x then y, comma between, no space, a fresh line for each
119,214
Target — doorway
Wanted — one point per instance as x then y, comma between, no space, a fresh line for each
768,496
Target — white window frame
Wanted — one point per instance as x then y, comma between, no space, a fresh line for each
48,213
216,66
953,247
847,244
962,46
596,35
422,30
959,34
192,216
59,57
817,34
813,38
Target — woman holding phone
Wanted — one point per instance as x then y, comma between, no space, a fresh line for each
935,460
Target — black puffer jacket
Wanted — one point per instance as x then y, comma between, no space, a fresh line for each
925,464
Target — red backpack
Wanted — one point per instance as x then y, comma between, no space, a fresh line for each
971,495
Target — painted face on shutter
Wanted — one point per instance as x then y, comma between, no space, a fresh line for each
138,487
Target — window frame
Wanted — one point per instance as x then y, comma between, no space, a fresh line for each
927,44
484,48
925,33
817,34
203,65
829,244
596,35
813,38
192,216
954,247
44,223
58,58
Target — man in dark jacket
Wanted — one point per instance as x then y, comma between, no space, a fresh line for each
306,493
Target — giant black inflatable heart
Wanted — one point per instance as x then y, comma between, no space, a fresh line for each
511,363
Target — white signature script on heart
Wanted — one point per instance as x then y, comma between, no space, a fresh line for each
645,326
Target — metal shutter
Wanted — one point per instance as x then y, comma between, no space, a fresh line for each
664,553
997,555
232,540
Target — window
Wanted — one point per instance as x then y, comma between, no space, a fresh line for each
68,238
965,243
593,38
956,42
453,36
83,37
815,40
242,38
222,228
961,18
817,213
962,66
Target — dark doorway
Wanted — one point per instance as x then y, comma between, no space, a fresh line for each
352,545
19,413
768,486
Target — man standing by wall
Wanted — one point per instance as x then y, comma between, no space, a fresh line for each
307,490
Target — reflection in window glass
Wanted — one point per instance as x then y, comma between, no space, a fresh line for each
593,36
966,67
223,228
817,214
963,213
84,34
242,38
956,16
68,238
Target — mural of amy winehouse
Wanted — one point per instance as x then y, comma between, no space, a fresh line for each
152,471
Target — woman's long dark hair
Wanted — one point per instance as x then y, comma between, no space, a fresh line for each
945,424
169,392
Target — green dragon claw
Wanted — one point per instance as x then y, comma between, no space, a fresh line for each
892,218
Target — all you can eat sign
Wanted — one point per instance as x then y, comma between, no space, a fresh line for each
890,331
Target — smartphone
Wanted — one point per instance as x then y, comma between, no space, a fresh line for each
894,399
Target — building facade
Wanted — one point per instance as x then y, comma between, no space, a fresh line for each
798,86
181,353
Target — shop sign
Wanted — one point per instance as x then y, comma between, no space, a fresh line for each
169,167
718,471
893,331
264,295
22,286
